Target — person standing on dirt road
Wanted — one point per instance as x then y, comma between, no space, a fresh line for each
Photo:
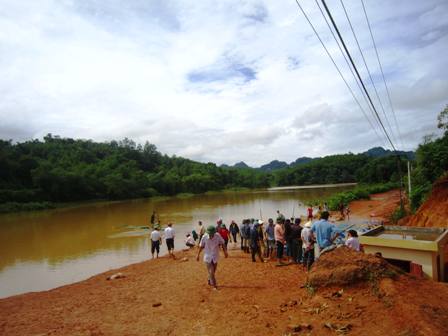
308,246
200,230
169,239
210,243
255,238
156,240
279,234
324,231
234,230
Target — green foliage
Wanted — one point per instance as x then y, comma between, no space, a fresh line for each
15,206
330,169
442,119
343,168
398,214
431,161
66,170
360,192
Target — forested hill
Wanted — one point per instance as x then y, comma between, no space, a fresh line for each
62,170
374,152
342,168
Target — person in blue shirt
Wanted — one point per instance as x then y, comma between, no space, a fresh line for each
324,231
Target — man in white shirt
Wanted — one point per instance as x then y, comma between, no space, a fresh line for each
210,243
189,241
307,245
155,241
169,238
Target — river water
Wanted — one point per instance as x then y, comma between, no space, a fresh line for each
46,249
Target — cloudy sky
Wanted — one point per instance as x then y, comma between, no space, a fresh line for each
221,81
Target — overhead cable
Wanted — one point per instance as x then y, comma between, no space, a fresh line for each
382,74
368,70
336,66
357,73
353,74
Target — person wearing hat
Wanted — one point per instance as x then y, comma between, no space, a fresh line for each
210,243
307,245
255,243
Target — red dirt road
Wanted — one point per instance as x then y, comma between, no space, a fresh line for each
254,299
379,207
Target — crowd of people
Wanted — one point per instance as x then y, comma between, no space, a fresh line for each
287,240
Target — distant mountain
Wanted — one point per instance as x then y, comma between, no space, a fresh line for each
240,165
374,152
302,160
381,152
273,165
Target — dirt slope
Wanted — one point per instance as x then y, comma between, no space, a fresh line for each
378,207
433,212
254,299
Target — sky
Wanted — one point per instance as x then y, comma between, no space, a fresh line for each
221,81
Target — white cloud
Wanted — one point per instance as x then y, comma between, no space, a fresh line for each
214,81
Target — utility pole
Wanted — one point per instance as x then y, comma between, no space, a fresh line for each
409,179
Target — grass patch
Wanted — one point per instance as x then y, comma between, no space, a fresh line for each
359,192
30,206
184,195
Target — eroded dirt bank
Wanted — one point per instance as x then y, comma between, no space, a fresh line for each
379,207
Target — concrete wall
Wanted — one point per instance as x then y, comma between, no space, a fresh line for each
427,259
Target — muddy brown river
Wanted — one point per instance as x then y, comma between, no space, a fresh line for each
46,249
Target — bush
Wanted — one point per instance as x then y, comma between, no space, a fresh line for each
30,206
360,192
419,194
398,214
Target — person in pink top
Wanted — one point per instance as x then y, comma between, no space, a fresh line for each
279,234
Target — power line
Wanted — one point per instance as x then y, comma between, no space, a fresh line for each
350,68
357,73
382,74
367,67
336,66
373,106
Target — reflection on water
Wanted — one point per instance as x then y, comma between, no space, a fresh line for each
46,249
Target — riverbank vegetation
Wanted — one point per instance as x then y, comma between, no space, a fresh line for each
39,174
359,192
36,174
431,162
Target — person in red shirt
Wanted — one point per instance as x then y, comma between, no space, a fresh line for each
224,233
310,212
